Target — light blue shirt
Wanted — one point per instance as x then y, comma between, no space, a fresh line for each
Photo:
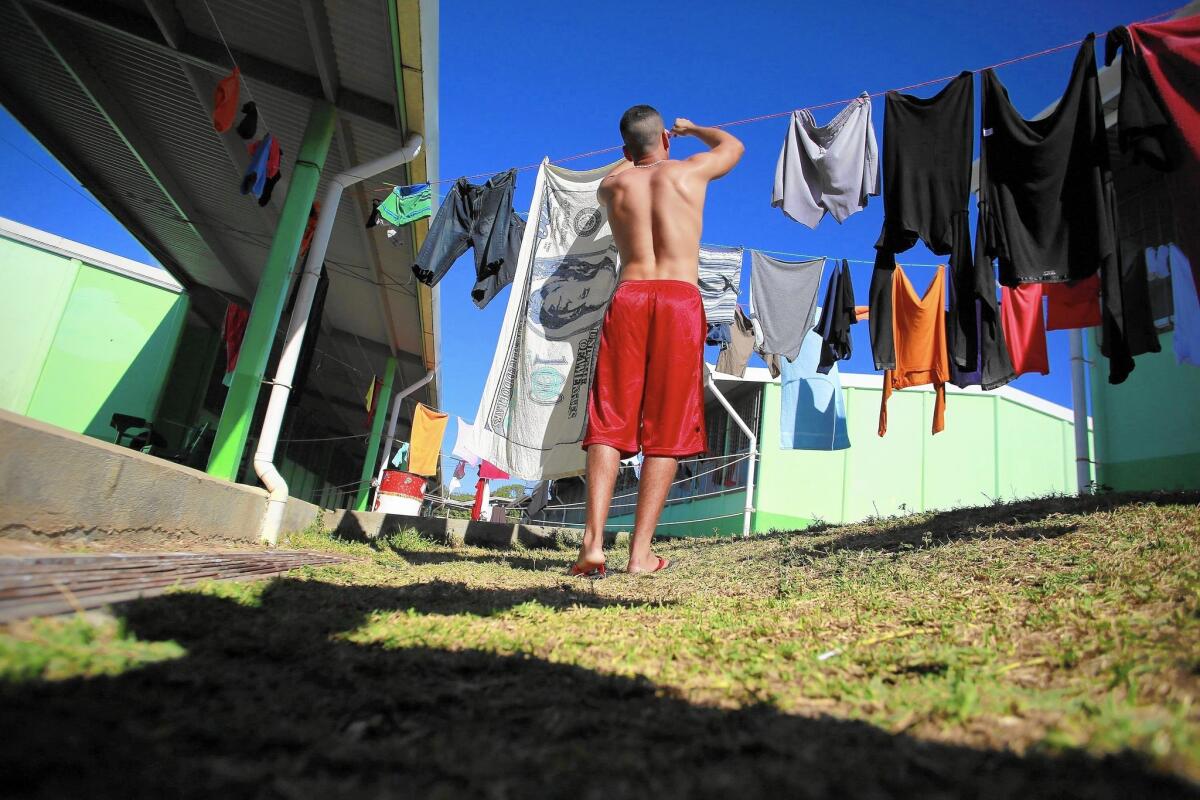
1187,309
812,415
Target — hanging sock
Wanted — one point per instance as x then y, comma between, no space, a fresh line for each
236,318
310,228
407,204
269,185
225,99
461,470
373,220
481,492
1024,329
249,124
255,179
400,460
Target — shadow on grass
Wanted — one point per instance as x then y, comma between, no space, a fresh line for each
269,703
1023,519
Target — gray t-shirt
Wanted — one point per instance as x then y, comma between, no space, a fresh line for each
783,298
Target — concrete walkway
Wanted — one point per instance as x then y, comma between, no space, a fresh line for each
40,585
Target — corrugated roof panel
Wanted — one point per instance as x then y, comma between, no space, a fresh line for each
270,29
363,49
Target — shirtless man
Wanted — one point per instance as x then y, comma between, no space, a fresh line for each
648,393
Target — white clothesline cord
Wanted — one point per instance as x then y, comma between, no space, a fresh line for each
742,457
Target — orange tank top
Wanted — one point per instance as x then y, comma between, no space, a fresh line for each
919,330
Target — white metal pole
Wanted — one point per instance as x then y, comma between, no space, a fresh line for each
749,507
1079,405
285,371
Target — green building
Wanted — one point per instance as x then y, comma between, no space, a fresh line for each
1000,445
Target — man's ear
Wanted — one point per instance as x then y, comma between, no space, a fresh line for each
666,140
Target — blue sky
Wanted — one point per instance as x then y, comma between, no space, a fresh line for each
523,80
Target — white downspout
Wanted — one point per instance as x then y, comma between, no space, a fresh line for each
1079,406
748,509
391,431
285,371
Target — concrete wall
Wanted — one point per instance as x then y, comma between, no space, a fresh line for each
1147,428
60,484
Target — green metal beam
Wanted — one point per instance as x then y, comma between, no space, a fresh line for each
238,412
382,409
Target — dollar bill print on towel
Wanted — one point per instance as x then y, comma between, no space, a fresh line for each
720,282
533,412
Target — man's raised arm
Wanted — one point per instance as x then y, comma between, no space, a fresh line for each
724,153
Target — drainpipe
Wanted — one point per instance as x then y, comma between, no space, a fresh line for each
391,432
1079,405
264,456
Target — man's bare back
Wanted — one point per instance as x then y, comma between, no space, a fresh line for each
656,205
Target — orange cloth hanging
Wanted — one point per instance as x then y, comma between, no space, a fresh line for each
428,428
225,101
919,330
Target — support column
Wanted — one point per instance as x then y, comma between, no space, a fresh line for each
381,407
238,411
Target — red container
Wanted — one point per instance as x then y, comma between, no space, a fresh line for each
402,483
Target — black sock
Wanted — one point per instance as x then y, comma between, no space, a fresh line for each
249,124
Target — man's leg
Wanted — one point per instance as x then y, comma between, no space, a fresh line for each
655,483
602,465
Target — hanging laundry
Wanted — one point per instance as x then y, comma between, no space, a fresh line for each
812,412
837,315
272,177
831,169
718,335
373,217
1047,210
460,471
783,298
407,204
1072,305
471,216
482,495
533,414
236,317
310,228
927,152
919,331
1186,305
454,485
720,271
464,443
1158,114
428,429
249,124
264,162
489,470
1024,328
736,355
1158,274
483,293
499,514
372,400
225,100
399,461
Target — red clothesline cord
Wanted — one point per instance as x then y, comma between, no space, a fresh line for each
760,118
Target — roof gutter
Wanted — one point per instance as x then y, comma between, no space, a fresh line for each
285,371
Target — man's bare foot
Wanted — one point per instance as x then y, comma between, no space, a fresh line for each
651,563
589,561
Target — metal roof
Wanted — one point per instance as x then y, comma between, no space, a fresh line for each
120,91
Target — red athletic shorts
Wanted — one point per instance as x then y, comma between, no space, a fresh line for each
648,391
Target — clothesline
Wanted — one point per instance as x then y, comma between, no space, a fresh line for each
775,115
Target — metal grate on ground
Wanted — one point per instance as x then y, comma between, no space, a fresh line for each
42,585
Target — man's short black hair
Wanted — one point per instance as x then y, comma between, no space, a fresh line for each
641,127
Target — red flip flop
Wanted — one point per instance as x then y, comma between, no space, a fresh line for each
662,565
593,573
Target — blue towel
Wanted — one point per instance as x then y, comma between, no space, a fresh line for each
812,414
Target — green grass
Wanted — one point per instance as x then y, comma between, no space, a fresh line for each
1046,627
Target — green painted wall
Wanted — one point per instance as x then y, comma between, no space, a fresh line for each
88,342
1147,428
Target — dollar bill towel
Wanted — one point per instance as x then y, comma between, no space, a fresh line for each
533,412
720,281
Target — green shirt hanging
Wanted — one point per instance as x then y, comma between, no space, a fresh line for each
407,204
